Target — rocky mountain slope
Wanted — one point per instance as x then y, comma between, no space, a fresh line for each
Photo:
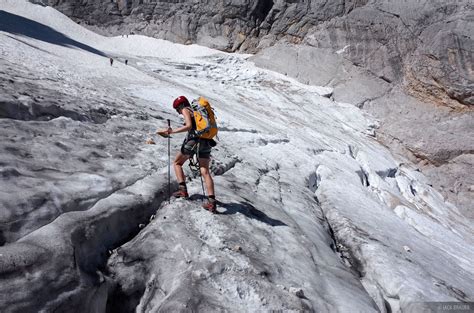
315,213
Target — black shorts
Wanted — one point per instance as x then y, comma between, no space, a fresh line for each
190,147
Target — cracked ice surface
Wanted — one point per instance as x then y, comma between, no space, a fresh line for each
376,235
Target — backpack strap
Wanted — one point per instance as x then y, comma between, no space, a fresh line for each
192,131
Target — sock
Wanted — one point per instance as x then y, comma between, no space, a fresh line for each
182,186
212,198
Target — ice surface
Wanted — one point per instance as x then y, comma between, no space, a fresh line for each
315,213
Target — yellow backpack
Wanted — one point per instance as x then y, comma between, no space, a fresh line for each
206,126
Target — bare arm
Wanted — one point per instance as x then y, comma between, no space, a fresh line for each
187,126
188,123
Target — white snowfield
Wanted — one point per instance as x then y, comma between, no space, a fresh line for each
316,215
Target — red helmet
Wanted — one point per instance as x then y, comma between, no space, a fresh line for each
180,101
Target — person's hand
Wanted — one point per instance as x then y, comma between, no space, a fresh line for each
169,131
164,131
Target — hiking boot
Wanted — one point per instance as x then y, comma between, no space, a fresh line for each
211,206
181,193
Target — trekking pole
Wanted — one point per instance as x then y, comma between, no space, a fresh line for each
169,164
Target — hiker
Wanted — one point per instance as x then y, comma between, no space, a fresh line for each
192,144
111,61
126,62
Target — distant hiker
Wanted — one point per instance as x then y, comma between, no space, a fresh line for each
198,141
126,62
111,61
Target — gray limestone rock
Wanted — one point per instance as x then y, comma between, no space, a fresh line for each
321,66
438,138
455,180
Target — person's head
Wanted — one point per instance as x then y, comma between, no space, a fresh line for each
180,103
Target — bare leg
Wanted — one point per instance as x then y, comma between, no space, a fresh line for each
178,166
204,167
